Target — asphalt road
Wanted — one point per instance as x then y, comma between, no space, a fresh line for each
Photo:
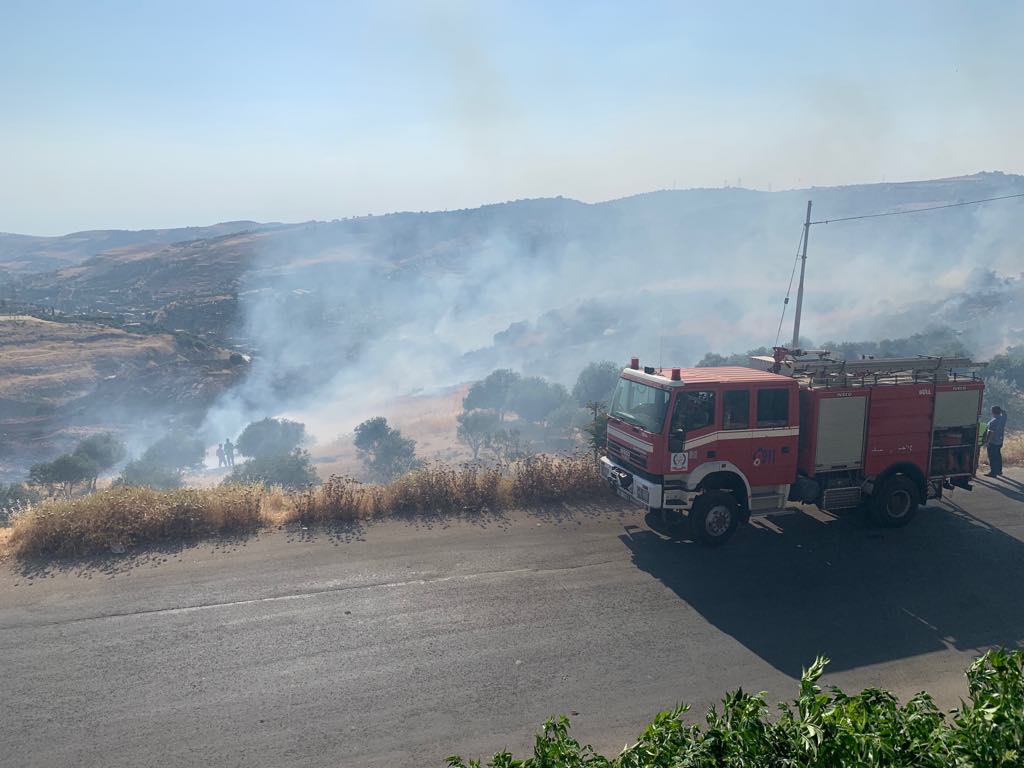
402,642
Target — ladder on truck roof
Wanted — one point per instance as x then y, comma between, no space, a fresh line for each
823,369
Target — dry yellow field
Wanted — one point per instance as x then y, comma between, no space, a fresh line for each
430,420
53,360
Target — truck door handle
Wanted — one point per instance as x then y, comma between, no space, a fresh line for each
711,454
785,449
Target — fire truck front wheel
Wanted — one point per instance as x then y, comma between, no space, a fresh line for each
895,503
714,517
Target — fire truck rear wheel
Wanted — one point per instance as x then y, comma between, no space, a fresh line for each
896,502
714,517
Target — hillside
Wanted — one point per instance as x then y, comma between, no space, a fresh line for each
647,240
62,380
26,254
435,299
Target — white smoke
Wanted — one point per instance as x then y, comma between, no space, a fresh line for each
346,316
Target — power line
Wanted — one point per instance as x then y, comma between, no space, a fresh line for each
803,234
789,290
919,210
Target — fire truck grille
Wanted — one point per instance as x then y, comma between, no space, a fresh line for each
627,456
841,498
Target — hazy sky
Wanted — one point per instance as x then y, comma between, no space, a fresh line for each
155,114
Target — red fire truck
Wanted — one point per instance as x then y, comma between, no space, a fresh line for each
725,443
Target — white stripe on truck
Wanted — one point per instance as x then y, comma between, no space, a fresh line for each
741,434
618,434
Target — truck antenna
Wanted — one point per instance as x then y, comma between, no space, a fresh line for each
800,289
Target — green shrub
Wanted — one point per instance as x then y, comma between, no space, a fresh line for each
163,464
64,472
385,452
271,437
820,729
596,383
150,474
291,471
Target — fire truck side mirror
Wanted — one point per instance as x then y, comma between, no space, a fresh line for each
675,444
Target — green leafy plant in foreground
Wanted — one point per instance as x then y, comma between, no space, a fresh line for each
819,729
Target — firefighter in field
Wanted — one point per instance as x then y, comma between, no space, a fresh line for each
229,452
994,441
221,458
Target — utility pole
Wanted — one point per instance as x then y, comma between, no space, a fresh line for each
800,289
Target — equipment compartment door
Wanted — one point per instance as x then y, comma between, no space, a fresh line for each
899,426
841,422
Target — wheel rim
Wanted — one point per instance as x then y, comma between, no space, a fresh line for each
899,504
718,520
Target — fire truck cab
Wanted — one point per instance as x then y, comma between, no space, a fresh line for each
723,443
698,438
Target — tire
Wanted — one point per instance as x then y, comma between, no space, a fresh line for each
896,502
713,518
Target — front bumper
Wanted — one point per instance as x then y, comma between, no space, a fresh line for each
631,486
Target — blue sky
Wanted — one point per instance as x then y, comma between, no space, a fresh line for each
156,114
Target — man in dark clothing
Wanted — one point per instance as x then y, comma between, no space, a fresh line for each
994,441
229,452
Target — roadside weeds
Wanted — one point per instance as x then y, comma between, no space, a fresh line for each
116,519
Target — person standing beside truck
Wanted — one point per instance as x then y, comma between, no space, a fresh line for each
994,441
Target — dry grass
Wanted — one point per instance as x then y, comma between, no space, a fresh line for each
277,506
42,358
123,517
1013,450
127,517
470,487
430,420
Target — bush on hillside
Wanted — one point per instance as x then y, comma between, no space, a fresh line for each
534,399
103,452
508,445
596,383
998,391
162,465
1009,366
83,466
492,393
565,418
475,429
149,474
271,437
65,473
384,451
291,471
176,450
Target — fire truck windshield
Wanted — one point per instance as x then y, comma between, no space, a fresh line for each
639,404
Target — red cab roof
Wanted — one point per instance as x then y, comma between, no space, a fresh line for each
691,376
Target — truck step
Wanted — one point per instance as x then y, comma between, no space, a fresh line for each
768,501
